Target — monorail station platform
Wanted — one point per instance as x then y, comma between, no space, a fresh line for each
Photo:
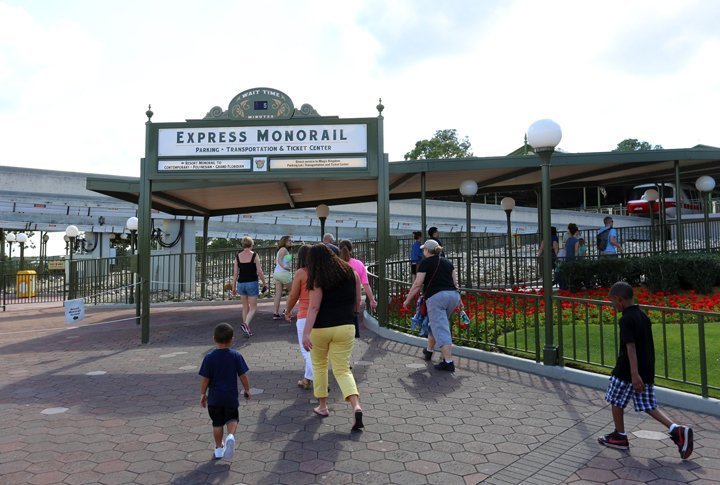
92,405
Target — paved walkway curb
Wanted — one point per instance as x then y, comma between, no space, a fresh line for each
90,404
668,397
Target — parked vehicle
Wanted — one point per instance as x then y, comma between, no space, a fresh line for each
689,198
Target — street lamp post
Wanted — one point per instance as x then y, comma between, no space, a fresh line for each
322,211
651,195
22,238
132,225
705,184
544,136
71,232
10,238
468,189
508,204
43,251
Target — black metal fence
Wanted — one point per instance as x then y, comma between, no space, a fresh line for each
585,332
180,277
34,283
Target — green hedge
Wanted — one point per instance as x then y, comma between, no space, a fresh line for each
662,272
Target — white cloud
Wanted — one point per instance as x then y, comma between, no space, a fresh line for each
75,80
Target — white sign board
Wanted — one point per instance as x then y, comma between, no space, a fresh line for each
262,140
74,310
189,165
305,163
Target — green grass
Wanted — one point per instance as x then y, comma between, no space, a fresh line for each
601,358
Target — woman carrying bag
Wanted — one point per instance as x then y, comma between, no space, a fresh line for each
440,294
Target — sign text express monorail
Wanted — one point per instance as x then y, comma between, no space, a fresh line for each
294,139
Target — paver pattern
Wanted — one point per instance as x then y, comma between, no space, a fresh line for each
133,413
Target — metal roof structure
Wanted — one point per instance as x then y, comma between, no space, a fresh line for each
214,197
262,154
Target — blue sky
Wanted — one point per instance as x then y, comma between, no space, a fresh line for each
76,76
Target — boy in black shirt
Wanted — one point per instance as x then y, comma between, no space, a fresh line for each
634,374
220,370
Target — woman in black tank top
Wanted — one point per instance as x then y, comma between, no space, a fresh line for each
329,333
246,272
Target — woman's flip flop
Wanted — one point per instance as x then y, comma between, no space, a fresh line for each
323,413
358,421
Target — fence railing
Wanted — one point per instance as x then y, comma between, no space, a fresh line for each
38,288
493,267
173,277
585,332
179,277
588,334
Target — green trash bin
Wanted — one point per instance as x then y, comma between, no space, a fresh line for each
25,283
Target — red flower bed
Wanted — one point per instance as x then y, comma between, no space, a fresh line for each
505,305
509,303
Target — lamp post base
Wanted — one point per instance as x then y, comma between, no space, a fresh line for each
550,355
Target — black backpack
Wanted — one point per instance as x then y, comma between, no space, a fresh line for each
603,238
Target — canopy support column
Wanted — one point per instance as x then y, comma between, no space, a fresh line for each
203,256
678,208
143,235
383,226
423,203
663,219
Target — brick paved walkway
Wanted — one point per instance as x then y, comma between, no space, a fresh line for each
91,405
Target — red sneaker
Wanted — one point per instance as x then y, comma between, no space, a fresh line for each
682,436
614,440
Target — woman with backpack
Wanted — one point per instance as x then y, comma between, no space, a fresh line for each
607,242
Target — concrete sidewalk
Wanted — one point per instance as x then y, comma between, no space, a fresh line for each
92,405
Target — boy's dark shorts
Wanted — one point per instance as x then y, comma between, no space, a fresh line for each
413,268
221,415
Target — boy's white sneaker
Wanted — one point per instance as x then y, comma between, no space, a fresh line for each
229,447
219,453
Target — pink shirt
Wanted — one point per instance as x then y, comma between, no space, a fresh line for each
359,268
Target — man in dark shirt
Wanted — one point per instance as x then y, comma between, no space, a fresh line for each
634,374
434,234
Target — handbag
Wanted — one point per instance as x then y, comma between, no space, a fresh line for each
423,307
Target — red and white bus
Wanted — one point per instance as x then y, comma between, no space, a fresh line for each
689,198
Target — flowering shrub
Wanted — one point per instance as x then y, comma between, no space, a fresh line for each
659,272
521,302
495,313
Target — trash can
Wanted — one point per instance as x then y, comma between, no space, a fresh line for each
25,284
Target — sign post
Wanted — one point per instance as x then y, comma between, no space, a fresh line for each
260,137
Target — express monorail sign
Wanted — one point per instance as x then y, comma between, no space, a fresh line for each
258,140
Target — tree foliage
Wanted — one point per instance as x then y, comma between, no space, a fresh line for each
444,144
634,145
219,243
